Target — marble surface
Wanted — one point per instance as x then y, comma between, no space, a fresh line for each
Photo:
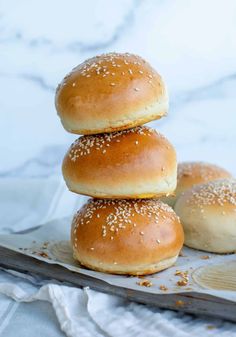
191,43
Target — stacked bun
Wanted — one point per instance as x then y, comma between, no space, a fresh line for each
135,163
122,164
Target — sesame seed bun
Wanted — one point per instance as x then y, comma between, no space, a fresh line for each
194,173
134,237
134,163
109,93
208,215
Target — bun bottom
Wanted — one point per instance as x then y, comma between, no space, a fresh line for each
119,269
153,189
220,247
151,113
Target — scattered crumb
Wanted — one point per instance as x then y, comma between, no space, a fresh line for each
210,327
204,257
163,288
45,245
184,278
42,254
179,303
145,283
181,273
182,283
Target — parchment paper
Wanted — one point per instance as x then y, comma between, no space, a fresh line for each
219,270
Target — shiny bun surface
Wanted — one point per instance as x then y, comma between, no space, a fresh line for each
134,237
134,163
110,92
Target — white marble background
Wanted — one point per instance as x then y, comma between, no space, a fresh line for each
191,43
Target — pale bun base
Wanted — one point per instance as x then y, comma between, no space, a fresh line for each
127,270
213,233
141,191
152,112
208,216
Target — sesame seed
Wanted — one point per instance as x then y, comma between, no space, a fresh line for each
83,146
73,84
136,89
120,215
112,84
136,142
218,192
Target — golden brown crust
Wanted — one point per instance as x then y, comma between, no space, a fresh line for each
190,174
194,173
135,163
109,93
126,236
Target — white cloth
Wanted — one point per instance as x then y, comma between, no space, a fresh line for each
54,307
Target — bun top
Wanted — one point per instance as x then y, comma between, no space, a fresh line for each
110,92
212,195
193,173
